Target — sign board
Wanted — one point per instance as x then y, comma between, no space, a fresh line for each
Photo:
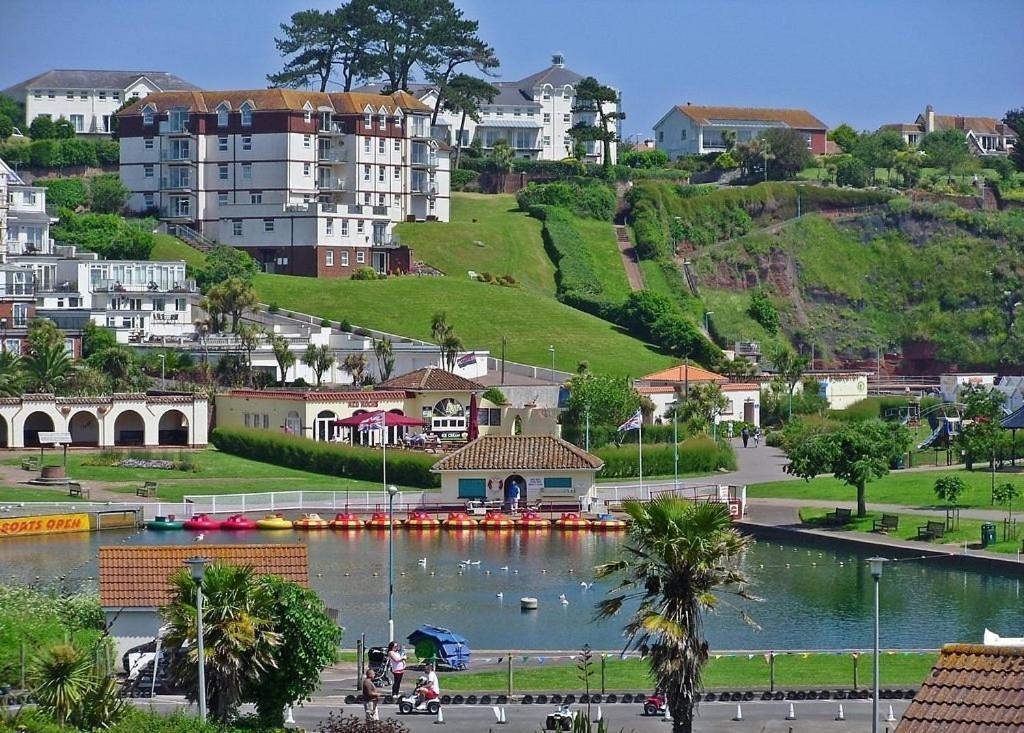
534,486
45,524
55,438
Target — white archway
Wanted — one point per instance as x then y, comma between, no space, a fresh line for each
84,428
173,428
37,422
130,429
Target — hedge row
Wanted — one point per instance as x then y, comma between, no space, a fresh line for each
607,435
61,153
696,455
405,468
994,224
587,198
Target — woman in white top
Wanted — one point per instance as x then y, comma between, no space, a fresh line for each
396,658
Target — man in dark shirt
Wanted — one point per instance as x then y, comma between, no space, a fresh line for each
370,696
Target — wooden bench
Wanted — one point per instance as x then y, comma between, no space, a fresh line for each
839,516
148,489
30,463
888,523
931,531
75,489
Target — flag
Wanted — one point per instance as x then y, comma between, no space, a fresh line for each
632,423
373,422
466,359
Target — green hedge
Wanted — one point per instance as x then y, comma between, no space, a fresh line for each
61,153
64,193
109,235
587,198
334,459
696,455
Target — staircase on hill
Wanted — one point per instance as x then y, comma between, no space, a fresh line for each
190,236
629,258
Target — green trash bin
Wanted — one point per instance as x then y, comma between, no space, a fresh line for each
988,534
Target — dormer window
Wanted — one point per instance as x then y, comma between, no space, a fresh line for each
383,122
147,115
368,120
246,110
222,115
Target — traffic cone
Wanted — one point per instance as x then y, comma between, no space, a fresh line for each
668,715
792,712
739,713
289,718
497,714
890,718
840,715
440,717
503,720
600,716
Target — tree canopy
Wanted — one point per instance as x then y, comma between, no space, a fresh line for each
789,153
594,99
946,149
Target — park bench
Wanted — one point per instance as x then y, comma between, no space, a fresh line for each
75,489
29,463
931,531
888,523
839,516
148,489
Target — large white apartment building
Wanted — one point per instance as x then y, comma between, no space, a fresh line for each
308,183
88,98
533,115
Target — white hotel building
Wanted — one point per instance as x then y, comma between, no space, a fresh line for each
88,98
533,115
308,183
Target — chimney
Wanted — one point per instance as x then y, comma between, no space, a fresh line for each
929,119
689,104
558,60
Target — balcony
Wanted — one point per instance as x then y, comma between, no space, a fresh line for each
171,156
174,127
16,248
428,160
333,155
334,128
15,290
175,182
423,188
419,127
112,286
330,183
169,211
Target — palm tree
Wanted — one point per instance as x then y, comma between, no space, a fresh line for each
64,679
237,635
47,367
450,348
319,359
249,337
502,156
355,365
11,376
678,555
283,354
385,353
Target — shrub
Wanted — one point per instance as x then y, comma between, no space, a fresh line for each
495,395
64,193
644,158
586,198
365,273
462,178
696,455
852,172
77,152
726,162
763,311
109,235
273,308
344,325
107,195
334,459
325,323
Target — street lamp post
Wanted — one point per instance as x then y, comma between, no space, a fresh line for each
875,563
197,568
675,444
707,325
163,369
392,491
551,350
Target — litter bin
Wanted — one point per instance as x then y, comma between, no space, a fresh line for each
988,534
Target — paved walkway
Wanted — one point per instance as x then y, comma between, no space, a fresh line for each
629,258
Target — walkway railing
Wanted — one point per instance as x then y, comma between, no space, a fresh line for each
696,492
306,500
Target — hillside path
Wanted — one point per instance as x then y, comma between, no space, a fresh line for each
629,258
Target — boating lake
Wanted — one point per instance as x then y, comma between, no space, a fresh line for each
813,598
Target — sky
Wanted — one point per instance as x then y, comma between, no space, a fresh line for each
865,62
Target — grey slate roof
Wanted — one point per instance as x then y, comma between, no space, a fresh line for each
98,79
554,75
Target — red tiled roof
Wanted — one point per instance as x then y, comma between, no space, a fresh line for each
347,395
799,119
682,373
518,453
739,386
432,379
139,576
971,689
278,99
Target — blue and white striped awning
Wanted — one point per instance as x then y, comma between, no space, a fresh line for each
507,123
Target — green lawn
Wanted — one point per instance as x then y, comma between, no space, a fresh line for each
27,493
907,488
791,670
481,315
599,238
969,530
486,234
171,248
730,321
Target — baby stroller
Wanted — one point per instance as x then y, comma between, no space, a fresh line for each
377,659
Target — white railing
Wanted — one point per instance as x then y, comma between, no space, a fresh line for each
360,501
726,493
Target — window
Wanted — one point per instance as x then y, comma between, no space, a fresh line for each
116,96
567,117
330,226
247,424
222,143
360,256
222,172
557,482
546,94
547,117
246,110
307,169
268,225
547,140
329,258
382,173
222,115
20,314
366,173
49,94
366,200
307,141
383,124
397,173
37,94
368,120
70,95
159,304
661,136
367,142
222,199
382,145
472,488
247,171
344,259
360,223
432,204
147,116
489,416
398,145
147,171
180,304
344,227
14,346
147,199
682,134
307,116
246,142
236,227
147,143
382,200
255,197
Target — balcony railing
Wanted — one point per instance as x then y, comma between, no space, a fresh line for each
331,183
426,188
334,128
112,286
22,249
16,289
174,128
175,212
183,156
170,182
332,155
429,160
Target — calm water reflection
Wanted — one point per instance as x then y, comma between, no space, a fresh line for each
821,600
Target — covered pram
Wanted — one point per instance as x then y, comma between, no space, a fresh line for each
447,650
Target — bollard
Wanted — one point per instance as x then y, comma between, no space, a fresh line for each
739,713
840,715
668,716
503,720
792,712
600,716
289,717
890,718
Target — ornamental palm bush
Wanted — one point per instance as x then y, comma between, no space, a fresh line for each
63,681
677,559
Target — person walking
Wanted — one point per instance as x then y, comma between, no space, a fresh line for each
370,696
396,659
513,496
757,437
745,435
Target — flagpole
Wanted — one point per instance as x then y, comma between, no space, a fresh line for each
640,450
384,451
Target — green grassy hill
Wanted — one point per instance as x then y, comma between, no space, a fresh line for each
481,314
172,248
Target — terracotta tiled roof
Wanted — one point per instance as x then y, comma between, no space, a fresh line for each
799,119
971,689
739,386
518,453
432,379
683,372
279,99
345,396
139,576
